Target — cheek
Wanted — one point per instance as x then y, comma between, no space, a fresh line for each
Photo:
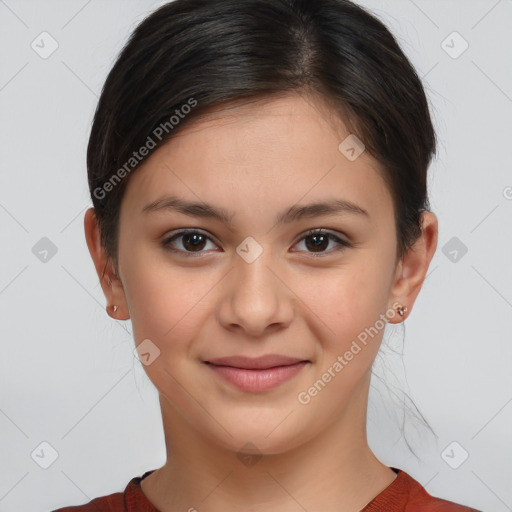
347,306
162,298
347,299
166,307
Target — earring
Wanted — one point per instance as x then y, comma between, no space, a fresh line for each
401,310
116,308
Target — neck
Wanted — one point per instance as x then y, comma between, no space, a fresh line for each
333,471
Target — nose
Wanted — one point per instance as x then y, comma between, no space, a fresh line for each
256,299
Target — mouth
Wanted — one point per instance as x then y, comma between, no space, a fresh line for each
256,374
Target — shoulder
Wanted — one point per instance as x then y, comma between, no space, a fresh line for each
111,503
419,500
405,494
117,502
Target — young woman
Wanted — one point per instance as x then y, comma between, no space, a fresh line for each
258,171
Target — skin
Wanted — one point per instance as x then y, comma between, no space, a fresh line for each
256,160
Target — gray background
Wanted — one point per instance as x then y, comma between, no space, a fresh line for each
68,374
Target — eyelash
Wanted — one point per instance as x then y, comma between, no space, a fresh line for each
343,243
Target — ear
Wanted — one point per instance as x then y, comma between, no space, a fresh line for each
412,268
109,280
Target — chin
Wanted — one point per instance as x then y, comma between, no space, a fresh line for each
254,435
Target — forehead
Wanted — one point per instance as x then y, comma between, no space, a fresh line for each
255,155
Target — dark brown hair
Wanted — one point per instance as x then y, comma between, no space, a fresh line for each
191,55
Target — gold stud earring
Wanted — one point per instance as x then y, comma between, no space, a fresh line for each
401,310
116,308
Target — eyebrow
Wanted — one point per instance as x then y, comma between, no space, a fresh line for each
292,214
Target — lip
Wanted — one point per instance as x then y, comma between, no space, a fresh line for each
255,363
256,374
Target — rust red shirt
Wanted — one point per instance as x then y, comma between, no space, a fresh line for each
404,494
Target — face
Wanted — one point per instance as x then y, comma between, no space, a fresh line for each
256,282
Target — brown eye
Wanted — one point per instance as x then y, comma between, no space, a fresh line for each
192,241
316,241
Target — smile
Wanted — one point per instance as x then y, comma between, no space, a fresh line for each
259,379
